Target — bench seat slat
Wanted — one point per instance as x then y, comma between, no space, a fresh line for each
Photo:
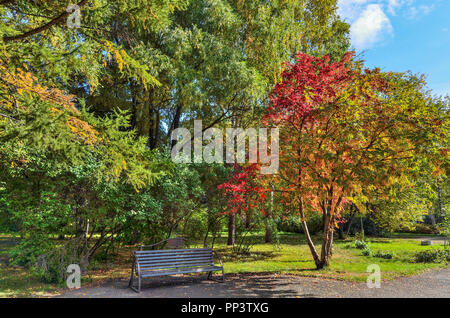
173,251
174,260
143,269
181,271
146,258
173,255
173,263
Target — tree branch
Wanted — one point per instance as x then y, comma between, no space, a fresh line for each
44,27
5,2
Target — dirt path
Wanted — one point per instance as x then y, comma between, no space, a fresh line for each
437,240
428,285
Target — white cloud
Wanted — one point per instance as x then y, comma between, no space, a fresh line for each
415,12
393,5
370,27
350,9
369,18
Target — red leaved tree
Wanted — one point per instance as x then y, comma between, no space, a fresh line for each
345,133
244,192
344,130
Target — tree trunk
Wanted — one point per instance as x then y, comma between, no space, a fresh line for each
269,232
433,218
176,123
231,229
362,228
269,236
341,231
352,216
327,241
439,199
311,246
154,129
247,221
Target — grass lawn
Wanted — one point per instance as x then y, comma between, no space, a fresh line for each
290,256
16,281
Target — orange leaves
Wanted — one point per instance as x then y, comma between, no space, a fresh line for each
22,83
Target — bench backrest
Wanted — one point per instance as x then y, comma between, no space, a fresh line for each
178,258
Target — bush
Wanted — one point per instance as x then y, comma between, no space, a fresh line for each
359,244
366,252
432,256
292,224
348,245
385,255
422,228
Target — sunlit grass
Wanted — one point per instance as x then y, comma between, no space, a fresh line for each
17,281
290,256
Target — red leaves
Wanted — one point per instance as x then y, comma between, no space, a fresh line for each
243,189
297,106
305,84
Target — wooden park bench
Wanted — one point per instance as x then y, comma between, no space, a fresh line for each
151,263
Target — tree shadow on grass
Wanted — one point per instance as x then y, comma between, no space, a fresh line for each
194,286
250,257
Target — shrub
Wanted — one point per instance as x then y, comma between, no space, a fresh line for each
432,256
385,255
292,224
348,245
361,245
366,252
422,228
359,236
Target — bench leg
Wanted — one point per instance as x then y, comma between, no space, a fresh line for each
131,283
131,277
223,276
139,284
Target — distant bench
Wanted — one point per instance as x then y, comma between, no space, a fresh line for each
151,263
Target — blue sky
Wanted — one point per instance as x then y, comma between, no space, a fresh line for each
401,35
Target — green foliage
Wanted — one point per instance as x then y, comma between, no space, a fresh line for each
432,256
366,251
422,228
384,254
293,224
445,226
361,245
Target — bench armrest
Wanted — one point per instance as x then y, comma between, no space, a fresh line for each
218,257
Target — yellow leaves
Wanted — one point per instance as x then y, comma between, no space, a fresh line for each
112,53
127,64
83,130
118,168
22,82
437,171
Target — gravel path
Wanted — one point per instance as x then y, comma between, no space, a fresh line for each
431,284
